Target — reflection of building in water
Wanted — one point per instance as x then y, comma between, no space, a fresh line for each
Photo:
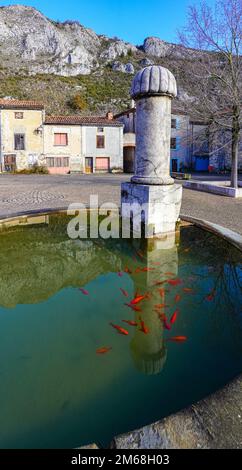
149,350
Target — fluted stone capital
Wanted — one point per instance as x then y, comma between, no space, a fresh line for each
154,81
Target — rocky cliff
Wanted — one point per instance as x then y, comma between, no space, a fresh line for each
56,62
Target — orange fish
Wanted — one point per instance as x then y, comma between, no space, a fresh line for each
166,325
137,270
143,327
161,306
135,308
177,339
210,297
137,300
130,322
146,270
169,274
127,270
124,292
177,298
174,317
159,283
84,292
103,350
174,282
187,290
120,330
162,317
162,292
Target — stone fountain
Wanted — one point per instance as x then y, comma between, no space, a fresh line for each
154,197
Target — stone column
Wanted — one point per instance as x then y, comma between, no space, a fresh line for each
153,89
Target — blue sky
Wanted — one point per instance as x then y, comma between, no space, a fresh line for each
131,20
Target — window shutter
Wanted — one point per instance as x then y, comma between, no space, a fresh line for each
177,123
178,143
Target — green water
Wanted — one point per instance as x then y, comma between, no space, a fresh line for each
55,391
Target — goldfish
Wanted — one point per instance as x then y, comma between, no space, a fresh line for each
84,292
161,292
162,317
103,350
174,282
159,283
137,300
161,306
166,325
210,297
169,274
177,339
124,292
137,270
135,308
146,270
174,317
127,270
120,274
187,290
120,330
177,298
130,322
143,327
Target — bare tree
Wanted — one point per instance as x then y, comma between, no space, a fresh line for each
214,36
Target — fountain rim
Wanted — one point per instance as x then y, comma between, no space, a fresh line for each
231,236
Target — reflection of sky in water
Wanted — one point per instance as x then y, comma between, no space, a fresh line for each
54,390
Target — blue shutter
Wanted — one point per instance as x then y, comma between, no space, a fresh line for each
178,143
177,123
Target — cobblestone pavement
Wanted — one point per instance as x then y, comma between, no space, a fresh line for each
23,193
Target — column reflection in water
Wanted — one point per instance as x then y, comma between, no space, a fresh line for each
149,350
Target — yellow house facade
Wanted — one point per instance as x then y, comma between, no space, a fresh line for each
63,144
21,128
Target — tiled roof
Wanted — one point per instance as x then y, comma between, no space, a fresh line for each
20,104
83,120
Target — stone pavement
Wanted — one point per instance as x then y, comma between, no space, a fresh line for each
23,193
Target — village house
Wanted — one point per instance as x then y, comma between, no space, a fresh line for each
79,144
64,144
192,146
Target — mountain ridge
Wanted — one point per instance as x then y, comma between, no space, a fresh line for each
84,64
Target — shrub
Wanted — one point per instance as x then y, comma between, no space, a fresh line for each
77,102
35,169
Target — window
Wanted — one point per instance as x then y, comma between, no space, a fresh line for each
173,123
19,115
57,162
100,141
173,143
19,142
9,159
100,130
50,161
61,139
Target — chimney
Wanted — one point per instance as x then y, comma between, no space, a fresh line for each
109,116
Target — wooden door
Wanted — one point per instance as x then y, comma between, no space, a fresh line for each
89,165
